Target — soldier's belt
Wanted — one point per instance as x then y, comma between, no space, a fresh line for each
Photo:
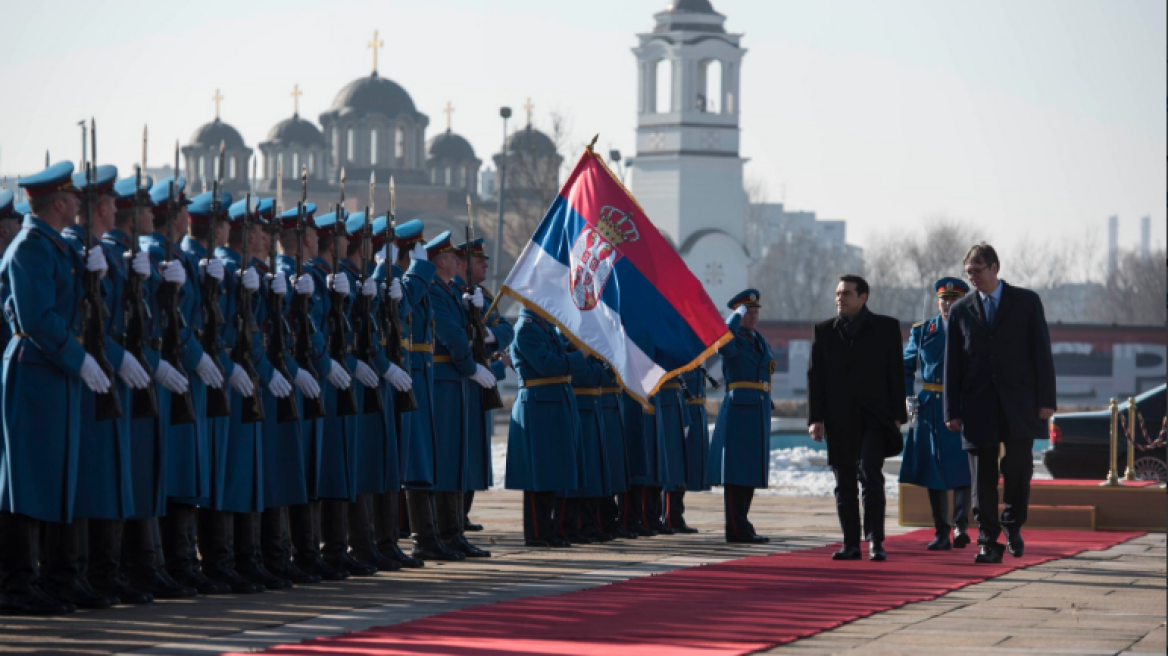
540,382
586,391
648,410
610,390
763,387
671,385
695,401
424,347
443,358
933,387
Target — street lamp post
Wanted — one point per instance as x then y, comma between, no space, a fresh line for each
505,113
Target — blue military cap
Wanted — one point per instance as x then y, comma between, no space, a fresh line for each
265,209
951,287
476,248
237,210
8,204
289,218
58,177
355,223
747,297
202,205
104,177
409,233
160,193
124,192
439,245
22,208
326,225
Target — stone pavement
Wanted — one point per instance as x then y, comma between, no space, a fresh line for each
1096,603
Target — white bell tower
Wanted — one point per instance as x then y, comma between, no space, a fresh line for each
687,173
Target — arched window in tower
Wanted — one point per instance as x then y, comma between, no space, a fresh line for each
311,164
399,144
709,96
351,146
373,147
202,168
279,166
215,167
336,145
433,176
448,176
663,78
231,168
461,177
295,165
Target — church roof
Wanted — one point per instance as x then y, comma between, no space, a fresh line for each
215,132
530,140
450,147
690,7
373,95
690,16
296,130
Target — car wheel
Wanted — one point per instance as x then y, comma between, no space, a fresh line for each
1151,468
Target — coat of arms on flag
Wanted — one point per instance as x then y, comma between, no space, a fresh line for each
599,270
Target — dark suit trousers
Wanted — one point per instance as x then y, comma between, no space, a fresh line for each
1016,469
943,519
868,472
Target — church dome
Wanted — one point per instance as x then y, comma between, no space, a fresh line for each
373,95
691,7
216,132
296,130
528,141
450,147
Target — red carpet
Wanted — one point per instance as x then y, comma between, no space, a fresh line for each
735,607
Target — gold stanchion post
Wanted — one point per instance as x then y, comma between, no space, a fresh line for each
1130,474
1112,472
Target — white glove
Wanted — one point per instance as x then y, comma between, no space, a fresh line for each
911,404
395,290
419,253
212,267
366,375
741,311
475,299
277,283
484,377
210,373
339,284
170,378
393,252
174,272
132,372
93,377
397,377
241,382
369,287
250,279
305,285
338,377
307,384
379,256
95,261
140,263
278,385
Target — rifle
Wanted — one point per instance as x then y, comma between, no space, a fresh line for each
336,321
708,378
474,327
302,305
144,401
107,405
245,328
286,409
363,310
388,314
182,407
218,403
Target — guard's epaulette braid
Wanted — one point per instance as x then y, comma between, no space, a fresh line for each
920,323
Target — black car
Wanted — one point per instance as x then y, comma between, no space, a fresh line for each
1080,442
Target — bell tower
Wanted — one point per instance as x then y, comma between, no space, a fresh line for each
687,173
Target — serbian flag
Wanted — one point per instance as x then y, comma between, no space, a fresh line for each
601,272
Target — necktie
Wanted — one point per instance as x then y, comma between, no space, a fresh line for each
989,307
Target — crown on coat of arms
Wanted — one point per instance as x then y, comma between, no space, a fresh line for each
616,226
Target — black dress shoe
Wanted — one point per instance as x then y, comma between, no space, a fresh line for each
687,529
747,539
467,549
645,531
381,562
192,578
616,530
436,551
124,593
665,530
876,552
576,538
989,553
236,583
89,589
351,565
409,562
940,543
163,587
78,596
471,526
316,566
273,582
961,539
848,552
36,602
1016,545
536,543
289,571
558,543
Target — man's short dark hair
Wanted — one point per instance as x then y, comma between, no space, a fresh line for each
122,217
982,253
202,231
41,204
861,284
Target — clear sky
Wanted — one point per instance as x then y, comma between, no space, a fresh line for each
1026,116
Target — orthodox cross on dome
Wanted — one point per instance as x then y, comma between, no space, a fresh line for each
375,45
296,93
217,98
448,110
528,107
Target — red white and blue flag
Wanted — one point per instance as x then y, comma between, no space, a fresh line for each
601,272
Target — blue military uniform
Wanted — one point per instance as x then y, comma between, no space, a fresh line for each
740,447
613,423
933,457
646,464
697,446
673,419
577,517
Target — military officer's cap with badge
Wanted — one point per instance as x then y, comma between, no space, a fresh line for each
951,287
160,193
290,218
237,210
439,245
202,206
22,208
476,246
380,230
8,204
265,210
124,192
104,178
409,233
355,223
326,225
58,177
749,298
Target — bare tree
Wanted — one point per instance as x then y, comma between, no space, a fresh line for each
756,198
1135,293
798,276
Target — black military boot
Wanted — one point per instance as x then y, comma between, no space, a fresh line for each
386,526
450,517
427,546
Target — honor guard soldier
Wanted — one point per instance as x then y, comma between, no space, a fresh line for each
740,448
9,219
545,427
933,457
45,366
576,519
697,448
456,375
643,455
673,421
613,423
